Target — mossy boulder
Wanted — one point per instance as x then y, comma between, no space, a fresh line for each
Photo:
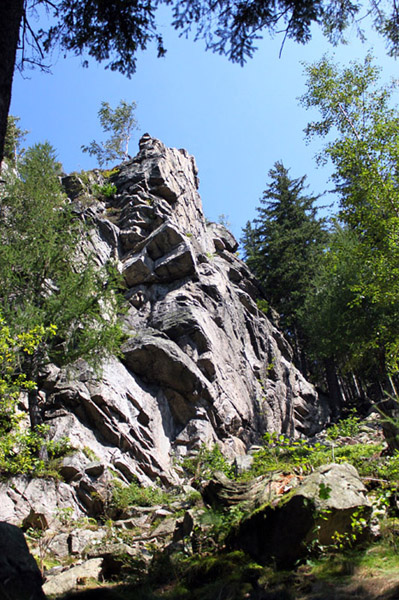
330,507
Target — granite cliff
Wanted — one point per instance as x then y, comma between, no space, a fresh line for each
201,364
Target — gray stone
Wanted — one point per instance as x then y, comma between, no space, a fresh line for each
94,469
202,364
20,578
22,497
222,236
73,467
73,186
221,492
67,581
84,541
59,544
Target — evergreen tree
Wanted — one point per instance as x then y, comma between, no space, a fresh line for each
46,282
283,247
13,142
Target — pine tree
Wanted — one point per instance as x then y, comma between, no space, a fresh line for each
283,247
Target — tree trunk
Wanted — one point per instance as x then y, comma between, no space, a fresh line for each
389,409
36,419
11,12
334,388
35,411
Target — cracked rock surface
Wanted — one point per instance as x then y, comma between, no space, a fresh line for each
201,363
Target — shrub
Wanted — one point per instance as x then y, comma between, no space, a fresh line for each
107,190
281,453
348,427
136,495
206,462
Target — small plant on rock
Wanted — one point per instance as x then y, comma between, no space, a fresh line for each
107,190
206,462
136,495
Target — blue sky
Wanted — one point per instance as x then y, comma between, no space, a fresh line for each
236,121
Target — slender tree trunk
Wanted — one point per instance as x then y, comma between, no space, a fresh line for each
35,412
35,416
390,422
334,388
11,12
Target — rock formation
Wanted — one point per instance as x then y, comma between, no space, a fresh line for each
201,363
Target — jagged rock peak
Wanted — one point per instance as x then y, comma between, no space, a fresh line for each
202,364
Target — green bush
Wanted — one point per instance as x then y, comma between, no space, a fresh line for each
281,453
107,190
388,467
262,305
136,495
348,427
206,462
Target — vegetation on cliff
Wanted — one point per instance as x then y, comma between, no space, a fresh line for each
56,302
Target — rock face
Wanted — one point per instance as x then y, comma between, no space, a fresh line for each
201,363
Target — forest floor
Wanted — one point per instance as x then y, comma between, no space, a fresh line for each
369,575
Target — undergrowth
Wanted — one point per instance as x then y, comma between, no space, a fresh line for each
136,495
280,453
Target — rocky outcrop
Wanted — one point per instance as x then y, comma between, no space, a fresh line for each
201,363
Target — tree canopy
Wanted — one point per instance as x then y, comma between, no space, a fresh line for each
51,284
120,122
365,154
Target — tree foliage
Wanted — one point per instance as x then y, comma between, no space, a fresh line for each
337,326
58,305
50,282
365,155
15,136
115,31
284,244
120,123
18,443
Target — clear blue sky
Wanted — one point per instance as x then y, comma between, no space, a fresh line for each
236,121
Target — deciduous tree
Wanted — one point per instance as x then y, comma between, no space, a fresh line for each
120,123
365,154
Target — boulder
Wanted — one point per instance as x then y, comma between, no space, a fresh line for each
221,492
320,511
36,500
20,578
68,580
